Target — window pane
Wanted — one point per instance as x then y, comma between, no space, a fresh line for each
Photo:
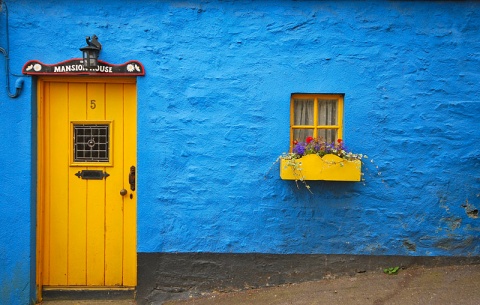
301,134
328,135
327,112
303,112
90,143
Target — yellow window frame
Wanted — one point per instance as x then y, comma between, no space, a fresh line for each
316,97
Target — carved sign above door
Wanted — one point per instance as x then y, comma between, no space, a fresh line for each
75,67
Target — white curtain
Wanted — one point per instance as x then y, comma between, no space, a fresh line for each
303,115
327,115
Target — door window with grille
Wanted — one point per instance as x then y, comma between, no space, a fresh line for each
91,143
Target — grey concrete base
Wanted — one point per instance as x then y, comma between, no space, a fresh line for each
166,276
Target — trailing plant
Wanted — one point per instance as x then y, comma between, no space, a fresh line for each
319,147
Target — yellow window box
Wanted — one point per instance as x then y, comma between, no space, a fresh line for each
313,167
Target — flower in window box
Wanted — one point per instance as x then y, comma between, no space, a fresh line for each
316,159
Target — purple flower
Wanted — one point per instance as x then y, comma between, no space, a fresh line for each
299,149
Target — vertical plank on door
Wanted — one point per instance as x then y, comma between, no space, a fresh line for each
114,201
45,161
77,217
58,176
96,198
130,206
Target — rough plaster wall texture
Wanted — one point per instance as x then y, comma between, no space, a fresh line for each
217,116
214,113
15,182
15,199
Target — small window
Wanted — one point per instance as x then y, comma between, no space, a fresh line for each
91,143
316,115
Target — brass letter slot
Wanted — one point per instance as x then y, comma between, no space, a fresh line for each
88,174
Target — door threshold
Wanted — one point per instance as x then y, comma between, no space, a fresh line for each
88,293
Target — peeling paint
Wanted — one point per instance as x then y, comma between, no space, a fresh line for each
456,243
470,209
451,222
409,245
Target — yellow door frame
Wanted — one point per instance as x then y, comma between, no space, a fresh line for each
40,225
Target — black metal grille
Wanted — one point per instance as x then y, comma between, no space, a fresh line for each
91,142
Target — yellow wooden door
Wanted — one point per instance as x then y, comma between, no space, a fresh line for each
87,150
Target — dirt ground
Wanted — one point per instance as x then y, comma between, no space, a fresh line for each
441,285
459,285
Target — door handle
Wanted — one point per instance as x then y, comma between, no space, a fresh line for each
123,192
131,178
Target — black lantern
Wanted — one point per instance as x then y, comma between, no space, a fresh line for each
91,51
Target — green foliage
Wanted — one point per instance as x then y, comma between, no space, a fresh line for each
391,270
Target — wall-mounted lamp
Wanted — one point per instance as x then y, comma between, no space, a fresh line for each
91,51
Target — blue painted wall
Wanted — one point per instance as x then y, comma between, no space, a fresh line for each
16,195
213,115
